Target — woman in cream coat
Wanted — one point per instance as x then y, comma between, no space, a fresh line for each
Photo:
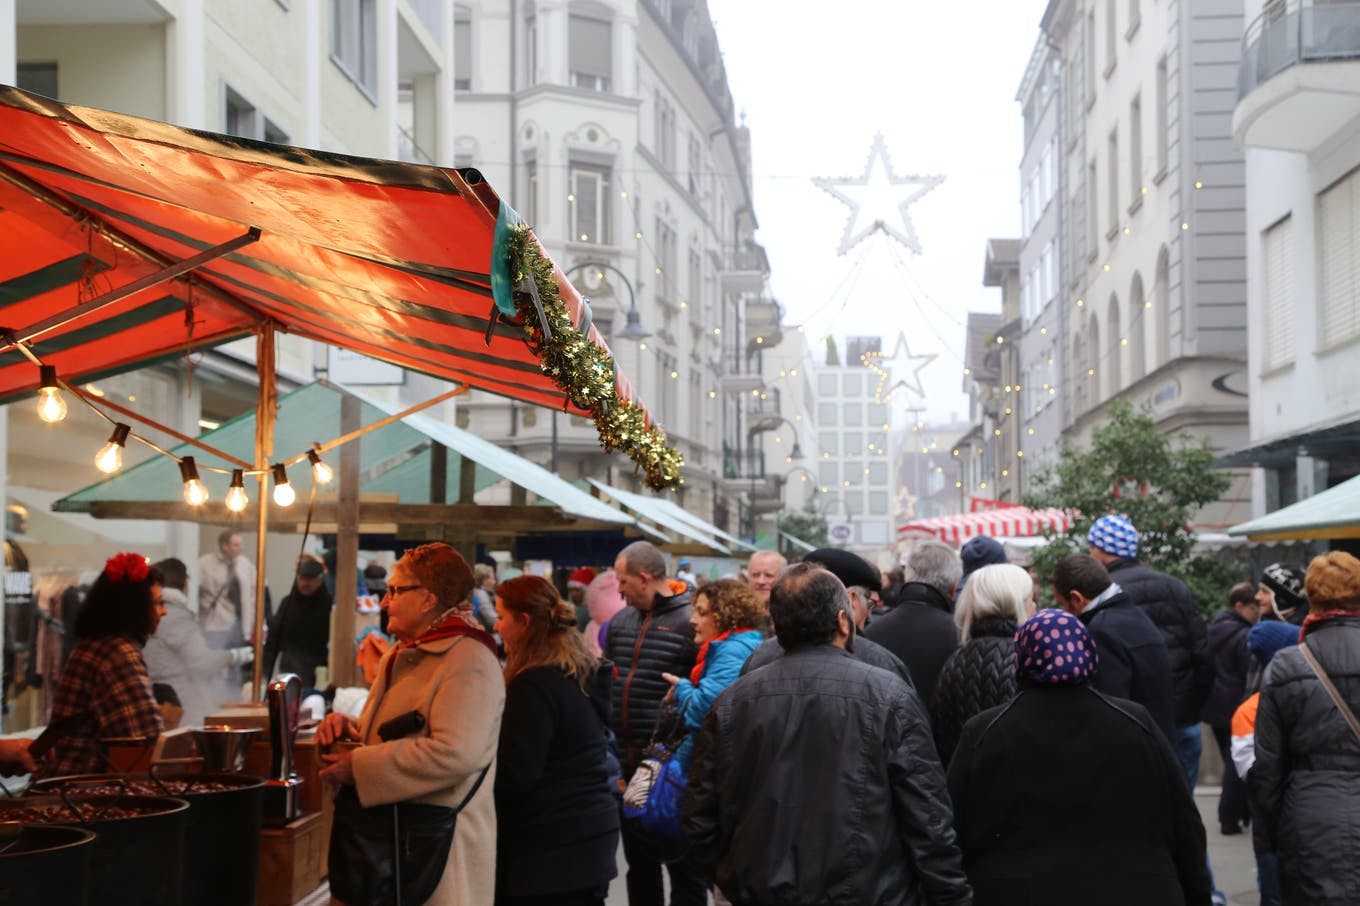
443,666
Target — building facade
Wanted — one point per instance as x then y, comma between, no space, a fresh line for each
611,129
1297,117
1153,268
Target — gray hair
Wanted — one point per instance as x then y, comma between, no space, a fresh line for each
779,558
644,557
998,590
937,565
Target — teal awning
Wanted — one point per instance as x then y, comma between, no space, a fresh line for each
673,518
1333,513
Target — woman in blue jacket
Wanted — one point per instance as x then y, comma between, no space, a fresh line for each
724,616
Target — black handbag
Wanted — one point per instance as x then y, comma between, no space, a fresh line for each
391,854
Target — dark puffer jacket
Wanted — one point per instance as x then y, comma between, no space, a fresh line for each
815,781
1172,609
1133,658
1232,661
978,676
1305,783
644,645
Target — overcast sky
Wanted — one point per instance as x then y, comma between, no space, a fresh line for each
816,82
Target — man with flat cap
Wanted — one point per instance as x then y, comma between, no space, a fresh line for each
862,582
300,630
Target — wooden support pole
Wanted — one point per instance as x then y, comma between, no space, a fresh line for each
439,473
467,480
342,649
266,410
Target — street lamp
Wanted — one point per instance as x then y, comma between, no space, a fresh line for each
769,423
632,329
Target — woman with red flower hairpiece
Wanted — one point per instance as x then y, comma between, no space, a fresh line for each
105,691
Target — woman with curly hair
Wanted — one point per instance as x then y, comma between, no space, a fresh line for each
105,691
558,822
724,615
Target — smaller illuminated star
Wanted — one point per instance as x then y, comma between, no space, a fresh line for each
901,372
875,199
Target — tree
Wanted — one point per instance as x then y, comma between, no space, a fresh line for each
832,356
806,525
1157,481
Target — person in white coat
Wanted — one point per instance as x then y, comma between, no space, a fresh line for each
445,667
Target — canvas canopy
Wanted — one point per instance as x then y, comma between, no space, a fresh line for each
1333,513
1006,522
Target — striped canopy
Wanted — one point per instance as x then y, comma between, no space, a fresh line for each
395,261
1006,522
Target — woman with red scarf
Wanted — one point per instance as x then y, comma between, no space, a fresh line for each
724,616
1305,783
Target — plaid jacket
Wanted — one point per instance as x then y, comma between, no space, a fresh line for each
107,677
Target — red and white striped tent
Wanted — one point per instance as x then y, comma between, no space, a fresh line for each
1006,522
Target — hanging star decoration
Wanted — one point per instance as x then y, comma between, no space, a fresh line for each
901,372
876,199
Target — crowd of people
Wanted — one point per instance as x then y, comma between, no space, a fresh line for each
823,733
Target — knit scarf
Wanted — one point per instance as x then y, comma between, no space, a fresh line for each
454,624
1313,619
698,672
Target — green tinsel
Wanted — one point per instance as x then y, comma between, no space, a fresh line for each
585,372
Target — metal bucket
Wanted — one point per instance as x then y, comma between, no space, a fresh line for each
224,748
42,864
222,839
140,857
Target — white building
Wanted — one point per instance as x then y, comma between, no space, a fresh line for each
1298,119
611,129
1153,251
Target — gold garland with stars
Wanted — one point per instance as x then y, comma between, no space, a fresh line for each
585,372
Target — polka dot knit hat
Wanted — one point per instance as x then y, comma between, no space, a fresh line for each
1053,647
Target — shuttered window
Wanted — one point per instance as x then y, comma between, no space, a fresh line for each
590,53
1339,247
1278,252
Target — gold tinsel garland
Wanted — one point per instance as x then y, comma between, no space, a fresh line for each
585,372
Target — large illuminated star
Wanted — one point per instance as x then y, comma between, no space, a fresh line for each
901,372
876,199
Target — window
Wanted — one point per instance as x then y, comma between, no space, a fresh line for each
1135,19
1092,375
853,384
1135,152
854,443
826,414
239,117
828,474
668,380
1277,248
1045,178
665,264
826,384
1111,37
1161,305
880,441
531,50
1114,357
1161,117
462,49
1026,203
531,191
829,442
1090,49
696,284
878,503
1048,270
696,405
1338,210
354,42
1092,203
664,144
39,78
590,53
590,201
878,473
854,501
878,415
853,414
1113,176
1137,330
695,154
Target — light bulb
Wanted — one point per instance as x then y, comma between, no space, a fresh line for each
323,473
110,457
51,405
284,495
195,494
236,494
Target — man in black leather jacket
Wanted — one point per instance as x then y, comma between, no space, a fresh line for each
815,778
1173,610
649,637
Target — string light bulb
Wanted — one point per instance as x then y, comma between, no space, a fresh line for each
109,459
284,495
323,473
236,494
51,405
195,494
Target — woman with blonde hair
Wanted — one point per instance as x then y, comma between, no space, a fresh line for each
981,673
558,830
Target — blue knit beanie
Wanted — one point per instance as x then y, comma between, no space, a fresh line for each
1115,535
1268,637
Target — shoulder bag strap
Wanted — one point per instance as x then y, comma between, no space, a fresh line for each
1328,685
475,787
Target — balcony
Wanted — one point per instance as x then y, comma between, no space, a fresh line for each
740,372
763,413
744,473
1299,81
764,323
744,268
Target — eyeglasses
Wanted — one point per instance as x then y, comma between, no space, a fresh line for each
394,590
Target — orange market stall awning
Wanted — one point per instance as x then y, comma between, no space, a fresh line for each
1006,522
126,241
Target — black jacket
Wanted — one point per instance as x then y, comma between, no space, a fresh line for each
1066,797
299,635
920,630
815,781
1305,783
645,645
557,822
1133,658
1168,603
978,676
866,650
1232,661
